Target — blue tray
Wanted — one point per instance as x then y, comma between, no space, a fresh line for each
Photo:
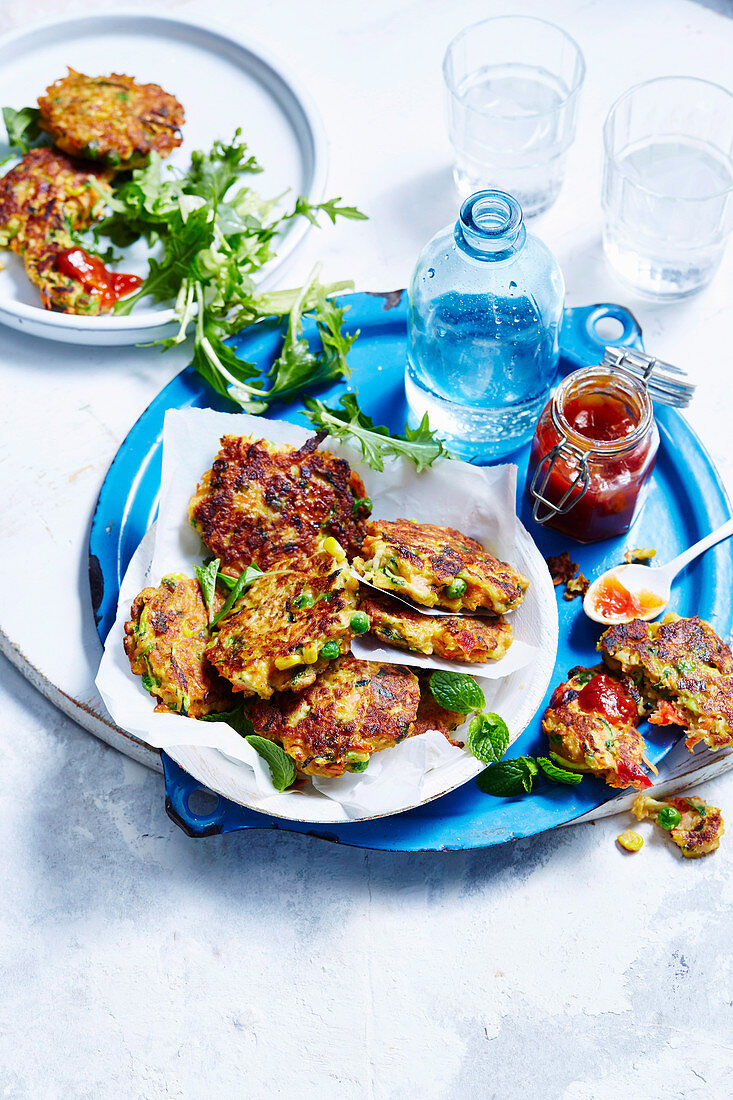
686,501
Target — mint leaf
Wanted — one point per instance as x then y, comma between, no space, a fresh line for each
488,738
349,423
456,691
235,718
508,778
282,766
244,580
558,775
206,576
23,126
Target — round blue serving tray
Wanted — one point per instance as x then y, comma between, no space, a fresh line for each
685,502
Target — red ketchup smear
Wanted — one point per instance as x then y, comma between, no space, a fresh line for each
606,696
612,599
108,286
599,416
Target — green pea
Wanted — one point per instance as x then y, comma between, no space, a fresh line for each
330,650
669,817
360,622
303,600
113,159
91,150
357,762
455,589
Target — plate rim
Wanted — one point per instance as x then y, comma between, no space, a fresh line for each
24,313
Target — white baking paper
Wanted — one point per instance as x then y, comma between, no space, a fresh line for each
477,500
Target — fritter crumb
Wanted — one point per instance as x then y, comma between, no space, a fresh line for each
700,826
576,586
561,568
641,555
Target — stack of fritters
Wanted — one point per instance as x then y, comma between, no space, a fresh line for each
675,672
98,125
284,646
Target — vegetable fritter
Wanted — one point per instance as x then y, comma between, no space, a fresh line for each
45,194
42,199
455,639
165,641
111,119
683,666
437,566
266,504
287,627
354,709
700,826
591,725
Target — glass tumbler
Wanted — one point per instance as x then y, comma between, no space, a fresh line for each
512,90
667,184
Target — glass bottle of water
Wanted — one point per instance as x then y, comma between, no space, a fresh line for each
486,301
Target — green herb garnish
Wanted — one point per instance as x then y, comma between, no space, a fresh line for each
456,691
421,445
558,775
282,766
244,580
509,777
487,738
23,127
207,576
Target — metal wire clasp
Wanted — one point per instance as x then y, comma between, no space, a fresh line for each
567,501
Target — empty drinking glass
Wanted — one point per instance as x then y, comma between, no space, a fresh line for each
667,184
513,85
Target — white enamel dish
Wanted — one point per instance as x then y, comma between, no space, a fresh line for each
223,83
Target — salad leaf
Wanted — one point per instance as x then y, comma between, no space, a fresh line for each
244,580
331,208
421,445
456,691
488,737
206,576
23,127
212,174
282,766
509,777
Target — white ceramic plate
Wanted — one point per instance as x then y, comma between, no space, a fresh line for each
222,82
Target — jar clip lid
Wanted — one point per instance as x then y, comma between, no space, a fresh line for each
666,383
572,494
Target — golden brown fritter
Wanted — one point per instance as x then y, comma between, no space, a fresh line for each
266,505
280,633
354,709
420,561
455,639
682,666
41,199
111,119
44,194
591,724
165,641
701,825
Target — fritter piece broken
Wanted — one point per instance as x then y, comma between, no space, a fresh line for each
437,566
591,724
165,641
700,828
431,716
562,569
354,709
287,627
44,195
111,119
641,554
455,639
683,666
266,504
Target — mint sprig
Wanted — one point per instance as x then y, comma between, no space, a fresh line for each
282,766
487,738
456,691
558,775
509,777
244,580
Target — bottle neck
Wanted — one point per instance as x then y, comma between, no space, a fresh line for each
490,226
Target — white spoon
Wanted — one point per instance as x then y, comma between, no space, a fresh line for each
646,590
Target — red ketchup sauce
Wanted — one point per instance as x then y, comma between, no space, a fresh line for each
610,422
108,286
606,696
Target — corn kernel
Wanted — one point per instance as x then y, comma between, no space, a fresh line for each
630,840
288,662
310,653
333,546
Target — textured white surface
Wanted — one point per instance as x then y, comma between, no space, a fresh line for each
138,963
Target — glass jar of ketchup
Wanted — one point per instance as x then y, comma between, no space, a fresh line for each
592,454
